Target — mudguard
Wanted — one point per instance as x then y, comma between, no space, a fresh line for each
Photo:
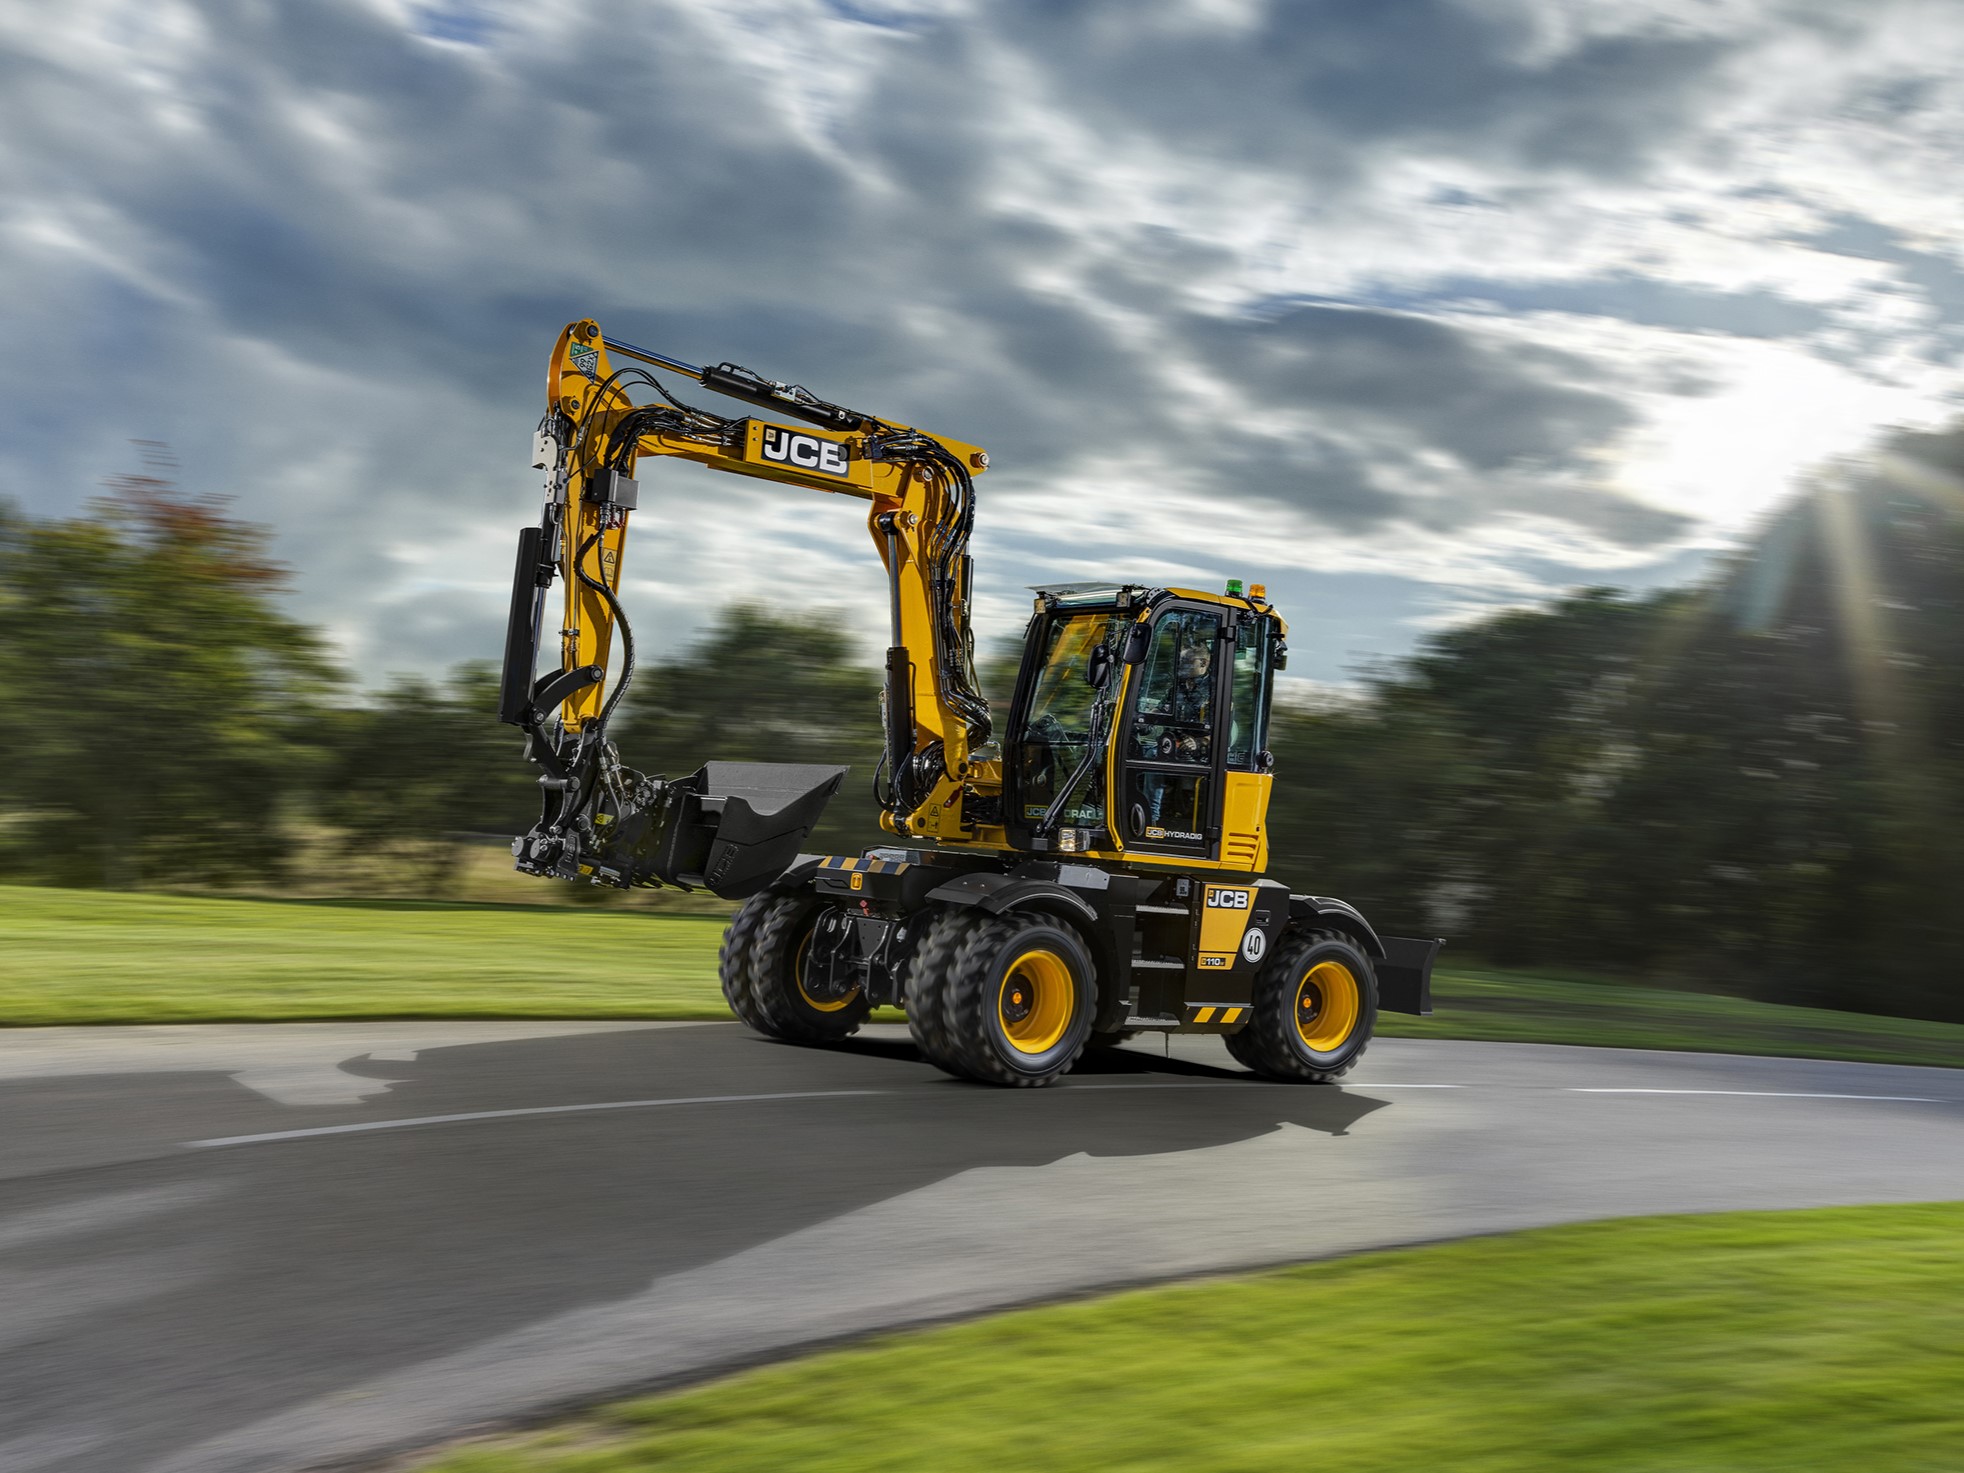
995,893
1336,915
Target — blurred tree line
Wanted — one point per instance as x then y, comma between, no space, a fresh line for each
1755,783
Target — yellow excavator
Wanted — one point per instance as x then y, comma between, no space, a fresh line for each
1093,873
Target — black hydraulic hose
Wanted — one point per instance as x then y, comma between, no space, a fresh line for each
620,618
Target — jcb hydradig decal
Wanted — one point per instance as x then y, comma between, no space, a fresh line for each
1223,922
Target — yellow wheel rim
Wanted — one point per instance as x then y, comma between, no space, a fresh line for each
1328,1001
821,1004
1035,1001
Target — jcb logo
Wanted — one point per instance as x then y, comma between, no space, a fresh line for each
806,452
1228,899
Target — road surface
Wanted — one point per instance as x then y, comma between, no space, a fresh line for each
263,1248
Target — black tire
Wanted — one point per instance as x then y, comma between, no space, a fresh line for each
943,932
1315,1005
1016,1006
759,967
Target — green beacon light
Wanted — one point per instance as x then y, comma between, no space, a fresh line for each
1234,588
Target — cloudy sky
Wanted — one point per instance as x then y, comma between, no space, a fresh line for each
1409,308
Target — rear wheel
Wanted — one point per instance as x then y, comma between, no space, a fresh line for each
1009,1001
1314,1006
765,976
942,937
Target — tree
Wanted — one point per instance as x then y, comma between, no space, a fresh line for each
1756,783
762,687
159,703
421,768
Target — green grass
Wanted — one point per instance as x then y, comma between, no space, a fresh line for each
1533,1008
1746,1343
88,956
79,956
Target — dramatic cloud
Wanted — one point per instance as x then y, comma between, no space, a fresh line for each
1410,307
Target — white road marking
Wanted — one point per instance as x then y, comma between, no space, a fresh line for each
368,1125
1763,1094
362,1127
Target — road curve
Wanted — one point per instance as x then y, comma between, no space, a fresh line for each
256,1249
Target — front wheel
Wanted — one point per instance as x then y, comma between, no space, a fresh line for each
763,970
1314,1006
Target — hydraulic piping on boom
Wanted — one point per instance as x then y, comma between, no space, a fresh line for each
732,826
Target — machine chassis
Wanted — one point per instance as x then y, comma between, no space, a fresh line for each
1173,949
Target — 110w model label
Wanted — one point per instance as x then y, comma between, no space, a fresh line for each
1224,927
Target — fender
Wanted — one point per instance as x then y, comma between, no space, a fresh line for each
798,873
1337,915
994,894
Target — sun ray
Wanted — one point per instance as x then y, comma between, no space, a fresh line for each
1941,488
1865,642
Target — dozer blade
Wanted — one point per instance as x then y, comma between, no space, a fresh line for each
733,827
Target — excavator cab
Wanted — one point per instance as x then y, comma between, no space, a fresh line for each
1140,724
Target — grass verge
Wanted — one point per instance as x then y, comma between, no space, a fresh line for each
85,956
1518,1007
1744,1343
81,956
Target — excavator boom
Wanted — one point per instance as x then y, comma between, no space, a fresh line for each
604,821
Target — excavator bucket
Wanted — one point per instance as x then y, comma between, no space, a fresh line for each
733,827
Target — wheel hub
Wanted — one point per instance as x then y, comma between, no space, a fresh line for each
1329,1005
1034,1001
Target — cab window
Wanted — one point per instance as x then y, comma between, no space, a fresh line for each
1248,708
1174,718
1052,742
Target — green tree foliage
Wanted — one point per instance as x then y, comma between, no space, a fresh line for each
158,703
420,769
1758,781
762,687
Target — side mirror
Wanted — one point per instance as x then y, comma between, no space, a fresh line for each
1137,638
1280,652
1098,668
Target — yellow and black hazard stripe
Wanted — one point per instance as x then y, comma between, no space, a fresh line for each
842,874
1218,1014
863,865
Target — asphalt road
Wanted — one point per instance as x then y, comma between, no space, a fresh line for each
283,1247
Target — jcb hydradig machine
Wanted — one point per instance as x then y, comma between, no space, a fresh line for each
1094,872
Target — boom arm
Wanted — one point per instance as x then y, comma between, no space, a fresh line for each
920,490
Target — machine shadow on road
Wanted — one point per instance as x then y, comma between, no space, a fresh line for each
323,1261
1098,1061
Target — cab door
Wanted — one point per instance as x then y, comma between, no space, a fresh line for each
1171,743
